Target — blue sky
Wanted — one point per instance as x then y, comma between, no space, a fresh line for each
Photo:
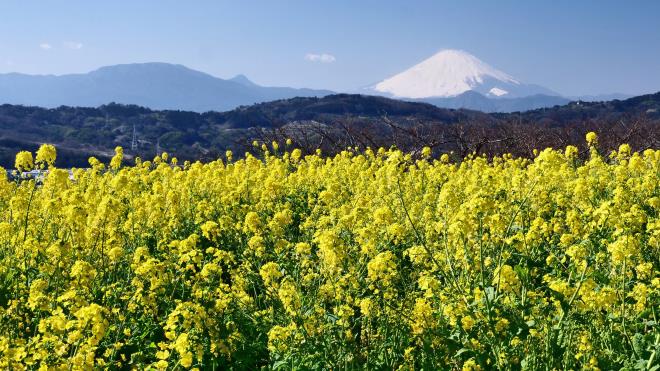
573,47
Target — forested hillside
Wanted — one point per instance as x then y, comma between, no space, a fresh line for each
331,123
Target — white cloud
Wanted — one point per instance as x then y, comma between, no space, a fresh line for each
73,45
45,46
322,58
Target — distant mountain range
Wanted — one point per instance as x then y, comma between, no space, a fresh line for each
153,85
476,101
449,79
457,79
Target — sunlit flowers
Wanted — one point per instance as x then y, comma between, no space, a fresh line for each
373,259
24,161
46,155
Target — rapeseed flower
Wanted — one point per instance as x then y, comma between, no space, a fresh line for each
373,259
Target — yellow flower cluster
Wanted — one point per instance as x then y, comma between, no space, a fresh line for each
368,259
46,155
24,161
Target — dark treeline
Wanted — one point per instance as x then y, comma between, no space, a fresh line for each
462,139
331,123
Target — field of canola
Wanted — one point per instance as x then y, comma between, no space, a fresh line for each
369,259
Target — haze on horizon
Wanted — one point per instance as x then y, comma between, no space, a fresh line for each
590,47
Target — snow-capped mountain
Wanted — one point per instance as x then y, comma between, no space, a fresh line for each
450,73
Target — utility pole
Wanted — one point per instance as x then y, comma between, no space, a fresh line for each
134,141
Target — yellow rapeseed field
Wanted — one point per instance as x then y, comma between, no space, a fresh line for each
368,259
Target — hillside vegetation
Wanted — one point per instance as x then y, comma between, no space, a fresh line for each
331,123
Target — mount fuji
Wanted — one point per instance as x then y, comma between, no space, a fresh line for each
457,79
449,73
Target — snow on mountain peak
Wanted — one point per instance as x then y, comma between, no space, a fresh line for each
445,74
498,92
